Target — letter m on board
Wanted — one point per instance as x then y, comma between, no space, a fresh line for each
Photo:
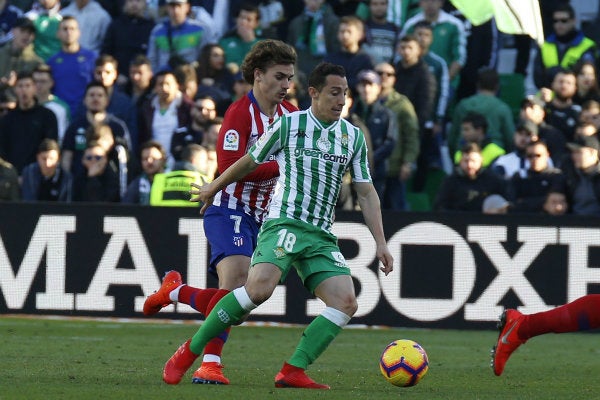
49,238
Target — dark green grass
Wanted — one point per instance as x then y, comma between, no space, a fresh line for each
75,359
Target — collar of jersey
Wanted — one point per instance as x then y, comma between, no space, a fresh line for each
320,124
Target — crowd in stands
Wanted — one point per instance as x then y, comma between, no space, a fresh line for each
122,101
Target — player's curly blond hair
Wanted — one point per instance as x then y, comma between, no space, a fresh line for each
265,54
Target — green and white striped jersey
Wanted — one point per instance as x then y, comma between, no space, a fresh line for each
312,160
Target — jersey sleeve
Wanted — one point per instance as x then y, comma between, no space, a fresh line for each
359,164
232,143
269,143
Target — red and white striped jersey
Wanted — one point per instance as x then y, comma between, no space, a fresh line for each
243,124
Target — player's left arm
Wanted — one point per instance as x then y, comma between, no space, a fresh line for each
371,209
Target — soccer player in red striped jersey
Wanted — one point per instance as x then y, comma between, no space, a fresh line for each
232,222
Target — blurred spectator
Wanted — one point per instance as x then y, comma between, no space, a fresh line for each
347,198
313,34
501,126
271,16
403,157
585,129
474,129
533,109
44,179
117,153
173,188
449,37
93,21
73,66
555,203
23,129
119,104
414,80
561,112
153,158
218,11
528,191
590,113
139,85
439,69
8,16
495,204
127,35
203,112
165,114
16,54
381,36
397,11
46,18
205,18
177,40
75,140
96,182
42,76
587,82
187,80
468,186
481,52
209,139
351,56
8,100
582,173
382,125
516,161
563,48
240,87
237,42
214,78
9,182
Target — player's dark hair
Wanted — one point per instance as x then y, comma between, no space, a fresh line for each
318,76
264,55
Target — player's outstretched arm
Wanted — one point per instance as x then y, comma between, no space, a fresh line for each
239,169
371,209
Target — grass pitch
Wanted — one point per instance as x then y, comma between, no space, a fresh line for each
83,359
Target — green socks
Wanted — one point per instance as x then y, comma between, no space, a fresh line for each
226,312
315,339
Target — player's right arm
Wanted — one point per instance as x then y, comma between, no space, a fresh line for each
239,169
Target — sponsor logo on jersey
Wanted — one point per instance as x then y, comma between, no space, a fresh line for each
314,153
231,141
301,133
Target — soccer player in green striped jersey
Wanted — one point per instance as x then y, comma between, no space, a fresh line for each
313,149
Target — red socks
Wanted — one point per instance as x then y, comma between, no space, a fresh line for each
198,299
579,315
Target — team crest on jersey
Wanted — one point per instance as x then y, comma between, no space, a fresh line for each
231,141
238,241
279,252
323,144
344,139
